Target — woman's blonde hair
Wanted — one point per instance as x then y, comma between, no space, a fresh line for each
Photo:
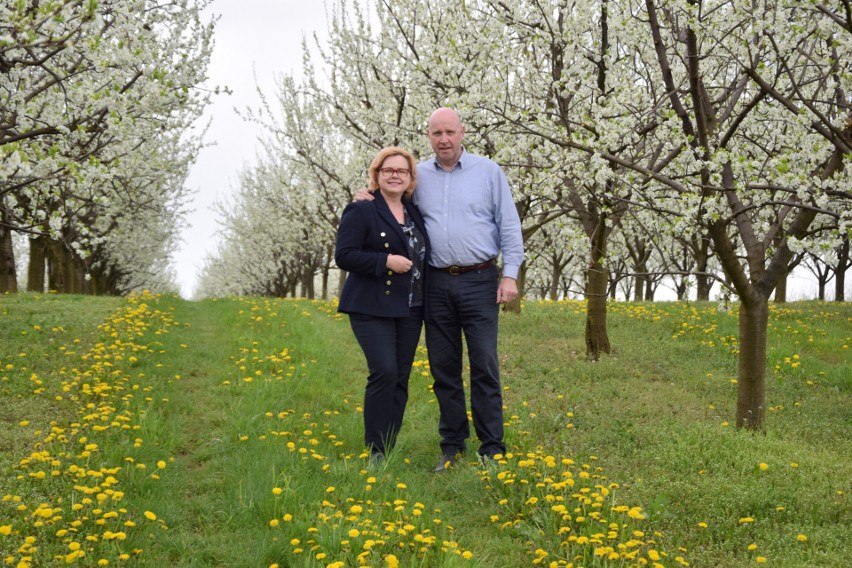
386,153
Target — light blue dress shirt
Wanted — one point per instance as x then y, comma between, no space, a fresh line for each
470,213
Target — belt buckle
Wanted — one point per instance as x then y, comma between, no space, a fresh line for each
455,270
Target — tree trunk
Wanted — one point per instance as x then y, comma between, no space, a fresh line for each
65,271
751,368
843,264
341,280
781,290
639,290
680,289
555,278
597,340
8,272
650,290
36,266
325,282
703,283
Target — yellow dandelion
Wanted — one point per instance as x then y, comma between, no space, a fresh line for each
764,467
150,516
802,538
273,523
760,559
391,561
277,491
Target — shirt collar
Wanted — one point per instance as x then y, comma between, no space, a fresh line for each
459,164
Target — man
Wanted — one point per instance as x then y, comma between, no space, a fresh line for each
470,219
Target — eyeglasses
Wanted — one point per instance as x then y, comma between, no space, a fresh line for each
401,172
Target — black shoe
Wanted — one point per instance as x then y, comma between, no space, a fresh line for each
446,461
487,460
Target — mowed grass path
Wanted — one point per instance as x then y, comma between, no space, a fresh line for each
228,433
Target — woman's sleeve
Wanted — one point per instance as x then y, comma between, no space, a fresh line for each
352,252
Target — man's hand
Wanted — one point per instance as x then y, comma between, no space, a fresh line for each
364,195
507,291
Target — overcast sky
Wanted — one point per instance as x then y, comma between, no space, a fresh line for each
255,40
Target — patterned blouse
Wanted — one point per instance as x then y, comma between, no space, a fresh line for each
417,252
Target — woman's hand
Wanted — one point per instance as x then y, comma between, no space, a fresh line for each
398,263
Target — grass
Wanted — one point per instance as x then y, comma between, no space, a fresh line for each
159,432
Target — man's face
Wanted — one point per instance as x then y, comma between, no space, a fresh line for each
445,135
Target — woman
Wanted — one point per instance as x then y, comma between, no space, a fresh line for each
382,244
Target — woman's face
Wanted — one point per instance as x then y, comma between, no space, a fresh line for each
394,176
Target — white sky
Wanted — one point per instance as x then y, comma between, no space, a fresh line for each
255,40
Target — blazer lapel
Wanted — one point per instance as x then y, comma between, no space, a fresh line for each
387,217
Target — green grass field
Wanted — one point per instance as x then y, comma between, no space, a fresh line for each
151,431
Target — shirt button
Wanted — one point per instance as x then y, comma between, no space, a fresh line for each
387,293
387,245
388,282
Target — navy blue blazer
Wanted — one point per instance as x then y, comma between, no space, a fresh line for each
367,234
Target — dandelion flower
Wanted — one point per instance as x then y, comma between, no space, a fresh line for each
764,467
802,538
150,516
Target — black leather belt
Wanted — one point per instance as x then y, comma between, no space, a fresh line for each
455,270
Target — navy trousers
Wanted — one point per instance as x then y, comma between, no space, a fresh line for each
389,345
465,304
